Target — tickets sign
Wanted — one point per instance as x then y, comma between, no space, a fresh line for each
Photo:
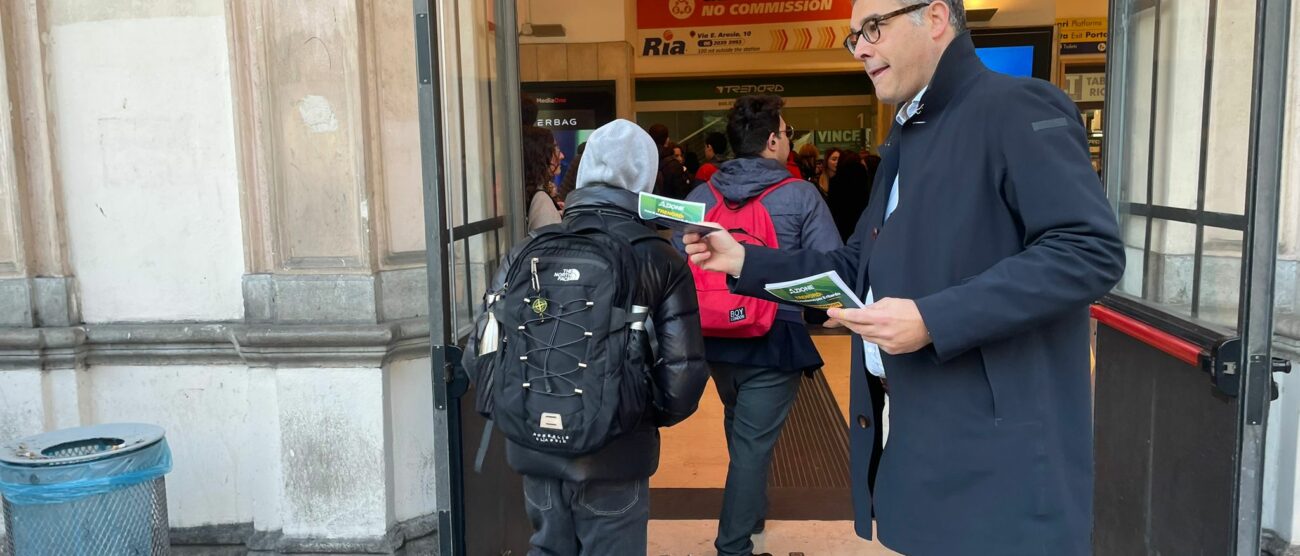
1082,35
686,27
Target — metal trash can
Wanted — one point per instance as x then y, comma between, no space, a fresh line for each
86,491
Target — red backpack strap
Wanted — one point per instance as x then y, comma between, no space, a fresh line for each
717,195
777,186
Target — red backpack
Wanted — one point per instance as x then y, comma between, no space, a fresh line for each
724,314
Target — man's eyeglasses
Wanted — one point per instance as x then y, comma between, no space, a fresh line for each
871,27
788,131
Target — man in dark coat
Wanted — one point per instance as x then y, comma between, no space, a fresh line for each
986,239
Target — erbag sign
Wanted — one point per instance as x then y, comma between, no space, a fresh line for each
683,27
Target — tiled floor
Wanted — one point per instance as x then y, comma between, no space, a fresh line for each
694,455
812,538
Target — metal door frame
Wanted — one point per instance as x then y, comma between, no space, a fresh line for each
1259,225
449,380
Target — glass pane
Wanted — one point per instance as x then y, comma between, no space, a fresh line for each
1134,231
1228,132
1136,120
1178,101
1220,295
821,126
475,259
1172,265
460,284
1186,89
477,65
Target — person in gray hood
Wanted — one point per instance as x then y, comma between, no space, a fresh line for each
599,503
758,378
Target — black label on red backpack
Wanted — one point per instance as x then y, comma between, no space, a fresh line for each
737,314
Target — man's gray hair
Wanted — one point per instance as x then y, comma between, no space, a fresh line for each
956,12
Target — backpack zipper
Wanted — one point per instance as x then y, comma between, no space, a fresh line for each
537,284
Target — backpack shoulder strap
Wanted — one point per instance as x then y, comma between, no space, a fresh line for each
777,186
717,195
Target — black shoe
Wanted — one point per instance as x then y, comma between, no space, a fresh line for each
758,529
761,554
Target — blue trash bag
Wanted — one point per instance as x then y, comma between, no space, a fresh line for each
54,484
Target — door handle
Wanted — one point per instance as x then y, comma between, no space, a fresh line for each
1280,365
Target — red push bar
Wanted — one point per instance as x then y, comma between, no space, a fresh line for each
1179,348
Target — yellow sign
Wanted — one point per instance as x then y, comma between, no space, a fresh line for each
539,306
1082,35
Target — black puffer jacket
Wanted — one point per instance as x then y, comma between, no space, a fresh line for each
680,372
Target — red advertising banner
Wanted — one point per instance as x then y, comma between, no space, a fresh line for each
668,14
686,27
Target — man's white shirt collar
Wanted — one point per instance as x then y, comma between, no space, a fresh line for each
910,109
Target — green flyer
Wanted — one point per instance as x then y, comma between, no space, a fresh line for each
821,291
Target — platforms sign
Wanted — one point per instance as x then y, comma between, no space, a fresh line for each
1082,35
687,27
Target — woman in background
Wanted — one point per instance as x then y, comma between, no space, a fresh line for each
541,164
828,170
807,161
849,192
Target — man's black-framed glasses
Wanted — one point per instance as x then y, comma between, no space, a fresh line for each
789,132
871,27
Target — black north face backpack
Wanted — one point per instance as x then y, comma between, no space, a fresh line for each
562,362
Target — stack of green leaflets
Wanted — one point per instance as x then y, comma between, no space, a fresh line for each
821,291
683,216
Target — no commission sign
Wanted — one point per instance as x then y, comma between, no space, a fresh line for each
669,14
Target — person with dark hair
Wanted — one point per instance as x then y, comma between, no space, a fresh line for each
715,145
527,110
978,258
757,377
692,163
848,193
542,159
672,180
807,161
658,134
570,181
792,165
829,168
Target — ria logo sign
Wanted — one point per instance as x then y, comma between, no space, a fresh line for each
666,46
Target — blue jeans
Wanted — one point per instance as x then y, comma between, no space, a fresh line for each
756,401
589,518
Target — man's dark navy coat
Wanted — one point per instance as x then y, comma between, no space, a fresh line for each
1002,236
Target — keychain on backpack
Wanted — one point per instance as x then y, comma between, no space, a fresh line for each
490,340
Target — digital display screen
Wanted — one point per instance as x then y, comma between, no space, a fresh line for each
572,111
1011,60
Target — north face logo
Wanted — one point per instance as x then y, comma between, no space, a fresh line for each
568,275
737,314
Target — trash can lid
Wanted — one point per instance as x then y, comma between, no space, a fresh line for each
80,444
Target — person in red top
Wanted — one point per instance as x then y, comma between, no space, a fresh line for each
715,143
790,164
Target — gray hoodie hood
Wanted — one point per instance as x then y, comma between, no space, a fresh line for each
619,154
744,178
